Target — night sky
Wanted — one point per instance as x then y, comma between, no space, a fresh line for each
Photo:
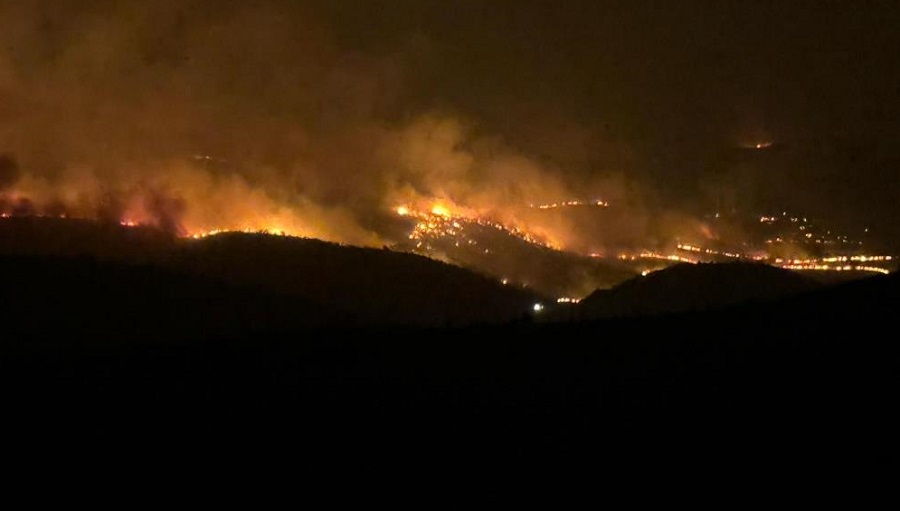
665,90
651,103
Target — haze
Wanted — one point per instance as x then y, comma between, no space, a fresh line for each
320,118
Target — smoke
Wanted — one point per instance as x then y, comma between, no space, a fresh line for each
197,116
9,171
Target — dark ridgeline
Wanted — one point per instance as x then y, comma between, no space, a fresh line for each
375,287
691,287
82,302
66,237
808,377
546,271
261,282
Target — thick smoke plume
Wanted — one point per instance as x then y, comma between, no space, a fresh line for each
197,116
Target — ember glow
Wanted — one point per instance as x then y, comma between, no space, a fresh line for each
183,198
214,232
648,255
712,252
600,203
267,117
831,263
835,263
440,221
213,207
151,211
836,267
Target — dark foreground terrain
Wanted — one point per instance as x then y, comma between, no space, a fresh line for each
202,354
812,378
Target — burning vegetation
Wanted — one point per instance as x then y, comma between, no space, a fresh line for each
521,245
222,118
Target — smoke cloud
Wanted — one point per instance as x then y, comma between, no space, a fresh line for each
197,116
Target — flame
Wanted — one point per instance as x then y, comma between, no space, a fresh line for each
196,204
444,216
439,221
440,210
600,203
828,267
185,199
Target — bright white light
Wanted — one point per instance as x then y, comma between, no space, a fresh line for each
538,307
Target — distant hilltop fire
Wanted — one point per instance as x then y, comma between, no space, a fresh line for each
439,228
151,210
439,222
186,200
194,199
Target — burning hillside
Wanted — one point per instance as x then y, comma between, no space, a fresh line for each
509,253
224,118
181,197
347,285
534,246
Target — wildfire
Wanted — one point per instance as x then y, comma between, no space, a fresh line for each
709,251
572,203
808,264
192,234
646,254
434,219
440,210
214,232
828,267
183,198
439,221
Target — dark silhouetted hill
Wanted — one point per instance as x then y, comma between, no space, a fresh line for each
83,301
802,380
807,380
690,287
377,286
367,286
76,237
859,304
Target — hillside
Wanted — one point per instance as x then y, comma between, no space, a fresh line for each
689,287
377,286
257,362
806,379
504,256
69,237
362,286
85,302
